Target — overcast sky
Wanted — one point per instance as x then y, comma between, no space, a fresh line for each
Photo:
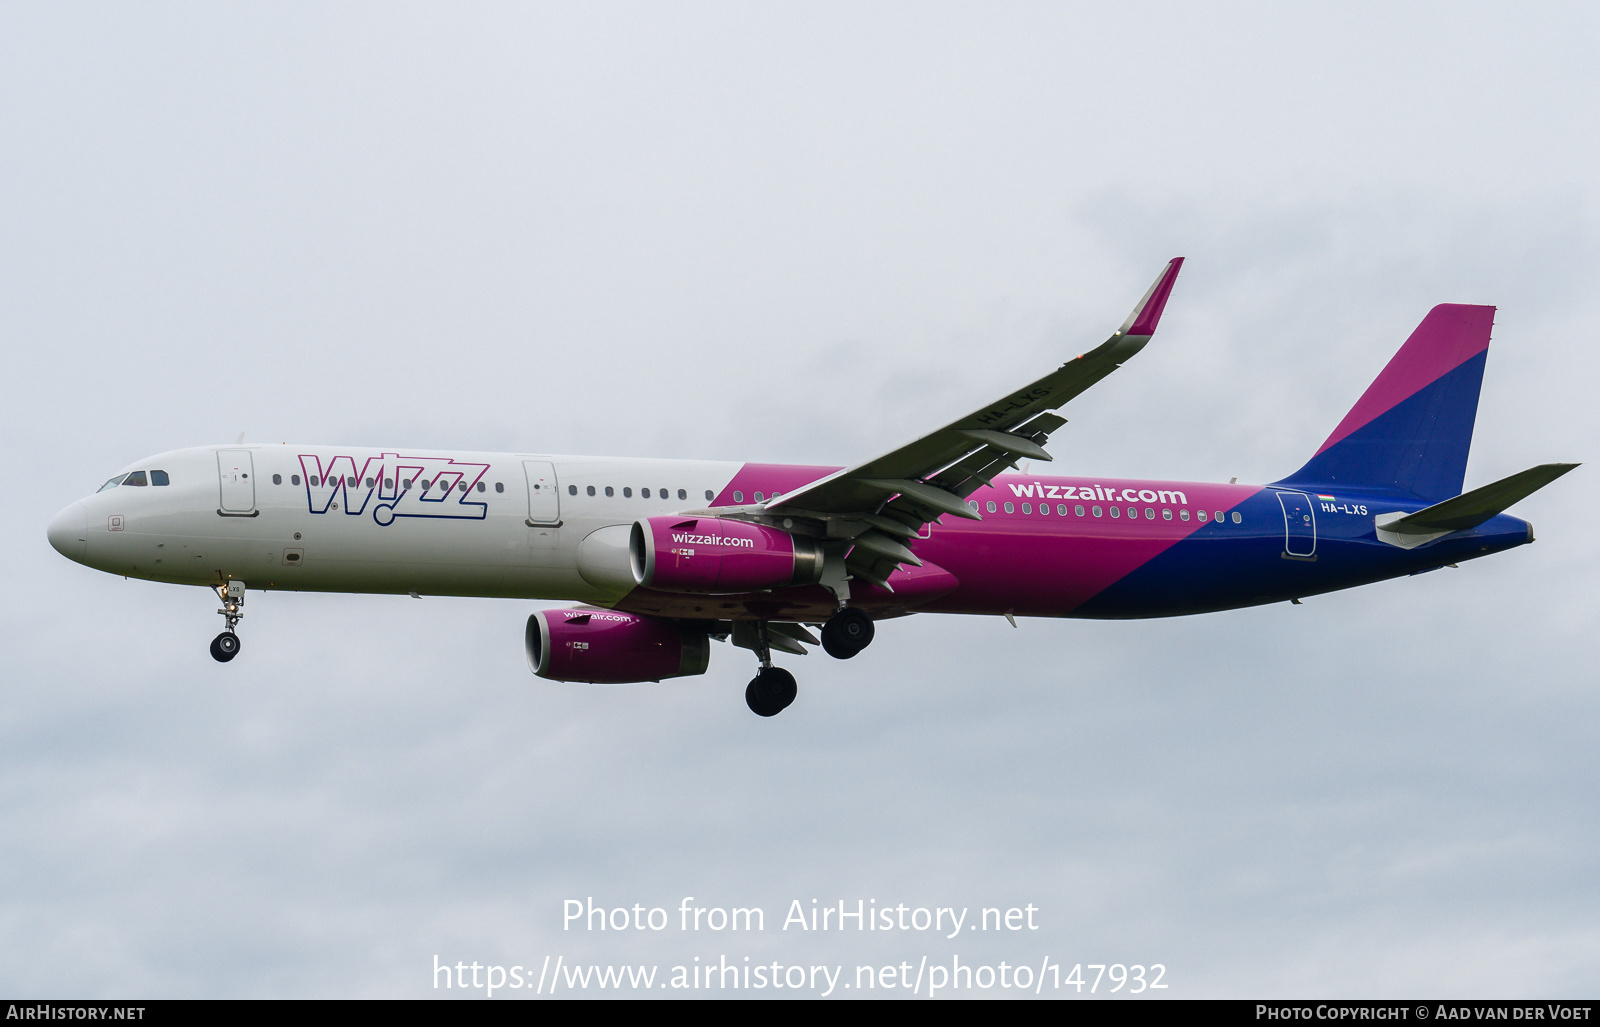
796,233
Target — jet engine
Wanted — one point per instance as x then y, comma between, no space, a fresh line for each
603,647
717,555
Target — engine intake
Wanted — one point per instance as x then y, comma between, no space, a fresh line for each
605,647
717,555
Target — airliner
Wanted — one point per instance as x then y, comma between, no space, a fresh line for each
664,556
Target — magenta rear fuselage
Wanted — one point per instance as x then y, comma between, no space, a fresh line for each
1112,548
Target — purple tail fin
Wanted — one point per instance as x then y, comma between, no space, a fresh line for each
1410,431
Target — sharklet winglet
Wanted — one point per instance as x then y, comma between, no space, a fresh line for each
1147,314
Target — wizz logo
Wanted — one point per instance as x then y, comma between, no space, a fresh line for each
393,486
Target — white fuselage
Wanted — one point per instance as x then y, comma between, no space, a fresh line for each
319,518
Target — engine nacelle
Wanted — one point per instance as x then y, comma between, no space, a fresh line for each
717,555
604,647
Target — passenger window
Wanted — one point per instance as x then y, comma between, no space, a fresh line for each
627,493
460,485
709,494
482,487
159,478
314,481
294,479
1061,508
572,490
758,497
974,504
1095,511
499,486
991,506
277,479
682,494
1133,513
1166,515
1149,513
405,483
738,497
136,478
589,490
1044,508
609,491
1184,514
662,493
369,483
113,483
1219,515
1236,518
1010,508
644,493
1078,509
388,483
1116,511
1200,515
1027,508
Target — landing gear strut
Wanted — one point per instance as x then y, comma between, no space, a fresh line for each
847,632
771,691
226,645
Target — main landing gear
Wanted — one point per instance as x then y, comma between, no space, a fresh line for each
847,633
771,691
226,645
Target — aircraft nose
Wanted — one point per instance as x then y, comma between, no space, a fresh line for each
69,531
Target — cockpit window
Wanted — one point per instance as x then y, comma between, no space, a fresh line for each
159,478
136,478
113,483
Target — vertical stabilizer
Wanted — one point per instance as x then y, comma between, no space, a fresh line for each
1411,430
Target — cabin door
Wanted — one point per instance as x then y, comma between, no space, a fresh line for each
236,470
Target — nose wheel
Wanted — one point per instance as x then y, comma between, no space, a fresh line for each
226,645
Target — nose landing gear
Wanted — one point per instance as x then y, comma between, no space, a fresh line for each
226,645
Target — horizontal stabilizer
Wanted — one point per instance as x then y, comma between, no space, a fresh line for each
1469,509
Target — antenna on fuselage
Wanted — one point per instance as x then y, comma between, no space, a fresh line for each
240,440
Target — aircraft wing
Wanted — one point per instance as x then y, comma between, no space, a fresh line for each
890,497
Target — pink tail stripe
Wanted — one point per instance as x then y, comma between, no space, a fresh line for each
1448,337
